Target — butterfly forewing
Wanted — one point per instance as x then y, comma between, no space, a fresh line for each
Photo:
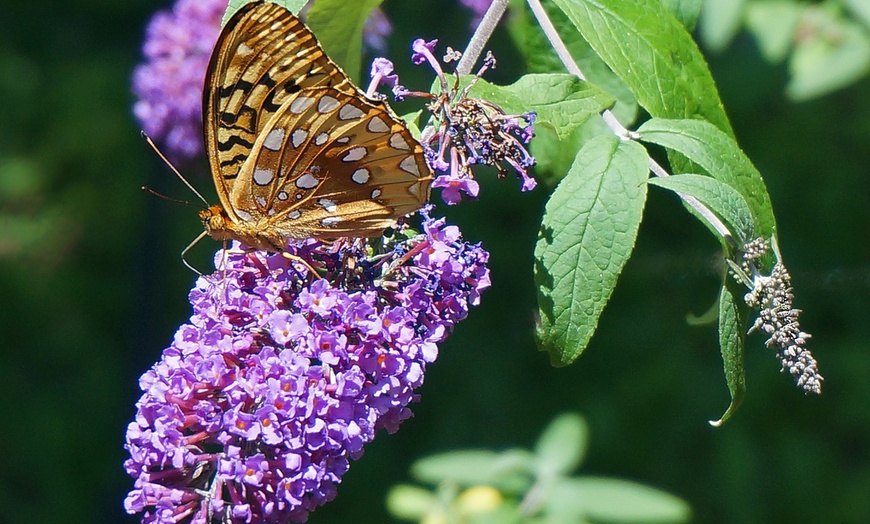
296,150
329,164
264,55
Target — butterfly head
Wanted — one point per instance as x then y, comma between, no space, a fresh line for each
215,220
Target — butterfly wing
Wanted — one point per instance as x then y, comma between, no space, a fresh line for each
263,56
328,164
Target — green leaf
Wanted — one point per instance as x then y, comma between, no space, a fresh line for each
472,467
774,23
541,58
821,64
411,120
720,21
338,25
686,11
410,502
587,235
731,344
652,53
720,156
861,9
562,445
562,101
234,5
720,198
598,499
554,157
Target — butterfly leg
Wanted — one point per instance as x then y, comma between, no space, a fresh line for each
302,261
189,246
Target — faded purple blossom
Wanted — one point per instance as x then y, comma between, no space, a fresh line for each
468,131
280,378
376,30
478,7
168,85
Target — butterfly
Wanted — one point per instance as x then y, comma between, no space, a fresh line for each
296,150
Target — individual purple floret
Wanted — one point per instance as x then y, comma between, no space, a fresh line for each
469,131
280,378
168,85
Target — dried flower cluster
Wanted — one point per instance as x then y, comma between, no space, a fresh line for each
467,132
773,297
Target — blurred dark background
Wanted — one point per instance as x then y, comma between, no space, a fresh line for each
92,289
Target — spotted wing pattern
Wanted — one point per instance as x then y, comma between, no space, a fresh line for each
296,150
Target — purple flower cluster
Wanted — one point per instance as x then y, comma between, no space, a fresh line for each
168,86
468,131
254,411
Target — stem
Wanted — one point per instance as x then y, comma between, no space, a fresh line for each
481,36
613,124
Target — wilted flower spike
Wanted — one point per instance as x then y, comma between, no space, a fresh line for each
470,131
254,411
773,296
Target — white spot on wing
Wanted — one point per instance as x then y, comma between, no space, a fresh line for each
328,204
299,105
293,215
297,138
321,138
330,221
244,215
397,141
361,176
274,139
409,164
377,125
342,140
327,104
307,181
244,49
262,177
355,154
350,112
282,196
376,193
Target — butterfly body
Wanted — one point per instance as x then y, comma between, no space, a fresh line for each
296,150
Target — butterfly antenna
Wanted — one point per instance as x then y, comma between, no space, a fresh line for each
164,197
168,163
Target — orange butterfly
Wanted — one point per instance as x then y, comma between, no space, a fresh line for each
296,150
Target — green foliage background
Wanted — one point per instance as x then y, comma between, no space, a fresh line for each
91,290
